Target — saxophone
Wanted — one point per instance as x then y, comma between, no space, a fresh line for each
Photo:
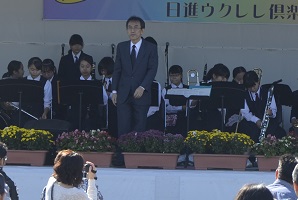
266,118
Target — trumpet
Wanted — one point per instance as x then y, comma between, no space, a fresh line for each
193,77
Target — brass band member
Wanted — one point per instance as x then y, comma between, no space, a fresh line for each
254,108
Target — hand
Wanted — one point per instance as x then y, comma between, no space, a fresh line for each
259,123
44,116
114,98
91,174
269,112
294,122
138,93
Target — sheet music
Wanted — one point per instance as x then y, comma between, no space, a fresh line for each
196,91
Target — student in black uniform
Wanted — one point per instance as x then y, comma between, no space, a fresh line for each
176,106
69,66
238,73
49,72
106,69
90,113
253,112
39,110
212,116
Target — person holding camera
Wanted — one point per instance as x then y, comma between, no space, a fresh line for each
13,194
67,179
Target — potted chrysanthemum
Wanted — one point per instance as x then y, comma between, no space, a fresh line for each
218,149
96,145
26,146
151,148
270,149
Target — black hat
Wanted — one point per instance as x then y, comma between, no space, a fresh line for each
76,39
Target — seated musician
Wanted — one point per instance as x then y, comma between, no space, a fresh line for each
49,72
40,110
294,114
233,115
175,107
106,69
253,112
90,112
211,118
15,70
238,73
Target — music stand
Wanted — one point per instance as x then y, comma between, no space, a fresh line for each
21,90
177,97
226,95
80,92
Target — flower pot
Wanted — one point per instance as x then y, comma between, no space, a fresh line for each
155,160
267,163
26,157
220,161
100,159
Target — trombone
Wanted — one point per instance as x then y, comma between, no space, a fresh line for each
193,77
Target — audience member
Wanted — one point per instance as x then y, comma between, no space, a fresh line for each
295,179
67,178
3,188
254,192
3,157
282,188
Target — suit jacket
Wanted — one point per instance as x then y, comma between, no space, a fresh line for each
68,69
126,79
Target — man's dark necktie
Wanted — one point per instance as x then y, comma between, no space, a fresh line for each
76,59
258,100
133,55
110,86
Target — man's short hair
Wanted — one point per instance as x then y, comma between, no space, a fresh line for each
286,165
138,19
3,150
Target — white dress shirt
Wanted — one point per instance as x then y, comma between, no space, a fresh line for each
47,96
247,114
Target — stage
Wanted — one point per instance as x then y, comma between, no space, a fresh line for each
148,184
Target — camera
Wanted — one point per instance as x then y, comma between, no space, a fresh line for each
87,167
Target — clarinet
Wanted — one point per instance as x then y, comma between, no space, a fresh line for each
266,118
93,71
205,74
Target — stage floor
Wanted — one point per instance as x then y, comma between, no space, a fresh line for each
148,184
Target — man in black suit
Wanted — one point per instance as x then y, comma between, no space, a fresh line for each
135,69
69,66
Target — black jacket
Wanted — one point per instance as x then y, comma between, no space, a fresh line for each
12,187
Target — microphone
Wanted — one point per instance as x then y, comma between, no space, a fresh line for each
167,47
113,48
62,46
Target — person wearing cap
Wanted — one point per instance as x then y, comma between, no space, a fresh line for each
69,66
12,187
